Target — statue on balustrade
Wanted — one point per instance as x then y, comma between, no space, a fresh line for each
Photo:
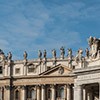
62,50
39,54
79,57
87,53
70,56
44,54
25,55
94,44
54,53
9,57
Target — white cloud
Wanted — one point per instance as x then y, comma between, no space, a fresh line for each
24,23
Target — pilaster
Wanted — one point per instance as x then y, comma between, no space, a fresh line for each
78,93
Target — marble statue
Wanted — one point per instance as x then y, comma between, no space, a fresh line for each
25,55
69,56
9,57
62,50
44,54
39,54
79,57
94,44
87,53
90,41
54,53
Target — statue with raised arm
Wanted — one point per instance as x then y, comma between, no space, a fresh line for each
25,55
39,54
44,54
9,57
62,50
54,53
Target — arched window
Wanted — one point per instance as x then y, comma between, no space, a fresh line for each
33,94
17,95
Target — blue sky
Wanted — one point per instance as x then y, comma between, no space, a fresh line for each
47,24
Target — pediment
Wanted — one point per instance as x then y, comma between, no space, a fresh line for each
57,70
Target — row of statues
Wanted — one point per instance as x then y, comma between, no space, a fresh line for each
53,53
92,53
45,53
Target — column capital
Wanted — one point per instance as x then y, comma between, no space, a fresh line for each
23,87
7,87
43,86
68,85
38,86
65,86
52,85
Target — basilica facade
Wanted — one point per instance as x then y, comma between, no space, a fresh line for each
57,78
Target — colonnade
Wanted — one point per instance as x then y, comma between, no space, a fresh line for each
80,92
41,93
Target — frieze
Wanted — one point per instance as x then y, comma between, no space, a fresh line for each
43,81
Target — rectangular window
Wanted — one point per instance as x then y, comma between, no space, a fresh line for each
31,69
17,71
1,70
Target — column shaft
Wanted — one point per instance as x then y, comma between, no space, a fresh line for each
23,93
53,93
68,92
84,94
38,93
65,92
43,93
89,96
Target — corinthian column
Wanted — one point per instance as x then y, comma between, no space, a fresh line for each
23,93
68,92
53,93
65,92
84,94
38,93
43,92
